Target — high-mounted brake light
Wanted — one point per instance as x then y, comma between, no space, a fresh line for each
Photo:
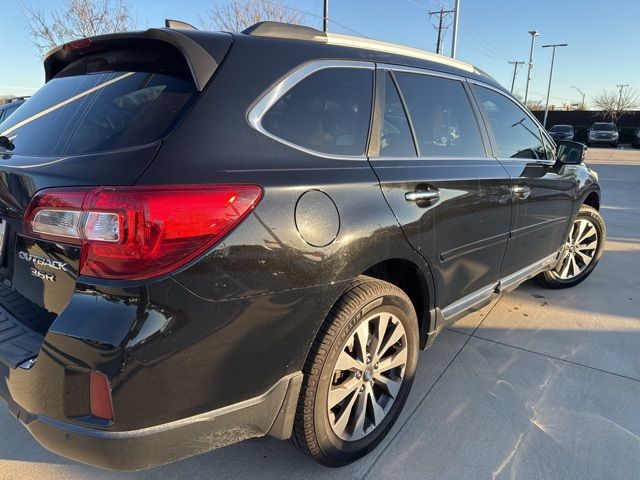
135,233
78,44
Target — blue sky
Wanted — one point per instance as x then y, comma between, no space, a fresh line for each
602,51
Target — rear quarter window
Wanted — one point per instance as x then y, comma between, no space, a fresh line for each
327,112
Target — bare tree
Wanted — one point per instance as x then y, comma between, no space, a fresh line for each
615,102
77,19
535,105
236,15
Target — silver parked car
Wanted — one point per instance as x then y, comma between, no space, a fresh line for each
562,132
602,133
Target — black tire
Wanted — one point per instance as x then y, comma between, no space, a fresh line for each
551,279
313,433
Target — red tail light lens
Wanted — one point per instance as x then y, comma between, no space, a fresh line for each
136,233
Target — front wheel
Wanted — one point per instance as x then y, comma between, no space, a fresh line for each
358,374
582,251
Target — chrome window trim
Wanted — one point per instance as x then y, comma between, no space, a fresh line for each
269,98
420,71
432,73
527,112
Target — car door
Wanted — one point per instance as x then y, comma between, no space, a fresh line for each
542,189
451,198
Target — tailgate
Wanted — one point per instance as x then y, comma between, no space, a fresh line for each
106,108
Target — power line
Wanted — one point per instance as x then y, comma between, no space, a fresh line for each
441,15
320,17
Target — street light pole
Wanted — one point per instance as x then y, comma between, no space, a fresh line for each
581,93
533,34
454,36
553,57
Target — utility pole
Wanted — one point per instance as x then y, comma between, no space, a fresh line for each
325,17
533,34
515,71
553,57
454,35
621,87
441,14
581,93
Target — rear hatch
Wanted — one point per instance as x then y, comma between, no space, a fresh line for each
98,121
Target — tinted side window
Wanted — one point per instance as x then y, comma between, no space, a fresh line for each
327,112
442,116
514,133
396,139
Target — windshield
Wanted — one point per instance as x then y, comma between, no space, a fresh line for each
90,108
605,127
562,128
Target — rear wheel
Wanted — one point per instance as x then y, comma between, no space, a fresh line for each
582,251
358,374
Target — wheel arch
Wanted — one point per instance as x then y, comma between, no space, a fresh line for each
416,281
592,198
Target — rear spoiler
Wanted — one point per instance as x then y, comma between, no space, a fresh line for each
203,51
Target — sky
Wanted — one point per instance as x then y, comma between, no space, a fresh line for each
601,54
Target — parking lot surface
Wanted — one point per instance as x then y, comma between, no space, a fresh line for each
540,384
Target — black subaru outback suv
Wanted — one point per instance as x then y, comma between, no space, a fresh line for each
208,237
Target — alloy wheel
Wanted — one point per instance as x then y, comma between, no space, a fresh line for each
580,249
367,376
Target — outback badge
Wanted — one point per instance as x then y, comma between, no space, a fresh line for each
42,262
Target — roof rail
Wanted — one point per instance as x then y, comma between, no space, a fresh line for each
301,32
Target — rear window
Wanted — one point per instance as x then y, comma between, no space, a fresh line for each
103,102
327,112
605,127
562,128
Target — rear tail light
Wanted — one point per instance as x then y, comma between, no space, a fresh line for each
135,233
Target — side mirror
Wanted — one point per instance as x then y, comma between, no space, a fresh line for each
571,153
6,143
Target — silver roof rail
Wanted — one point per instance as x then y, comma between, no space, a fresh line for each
301,32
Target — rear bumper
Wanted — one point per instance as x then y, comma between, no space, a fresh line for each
271,413
179,386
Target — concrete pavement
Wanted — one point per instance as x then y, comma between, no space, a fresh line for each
540,384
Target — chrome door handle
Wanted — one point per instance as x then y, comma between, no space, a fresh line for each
421,196
520,192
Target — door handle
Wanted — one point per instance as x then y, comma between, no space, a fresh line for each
421,196
520,192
